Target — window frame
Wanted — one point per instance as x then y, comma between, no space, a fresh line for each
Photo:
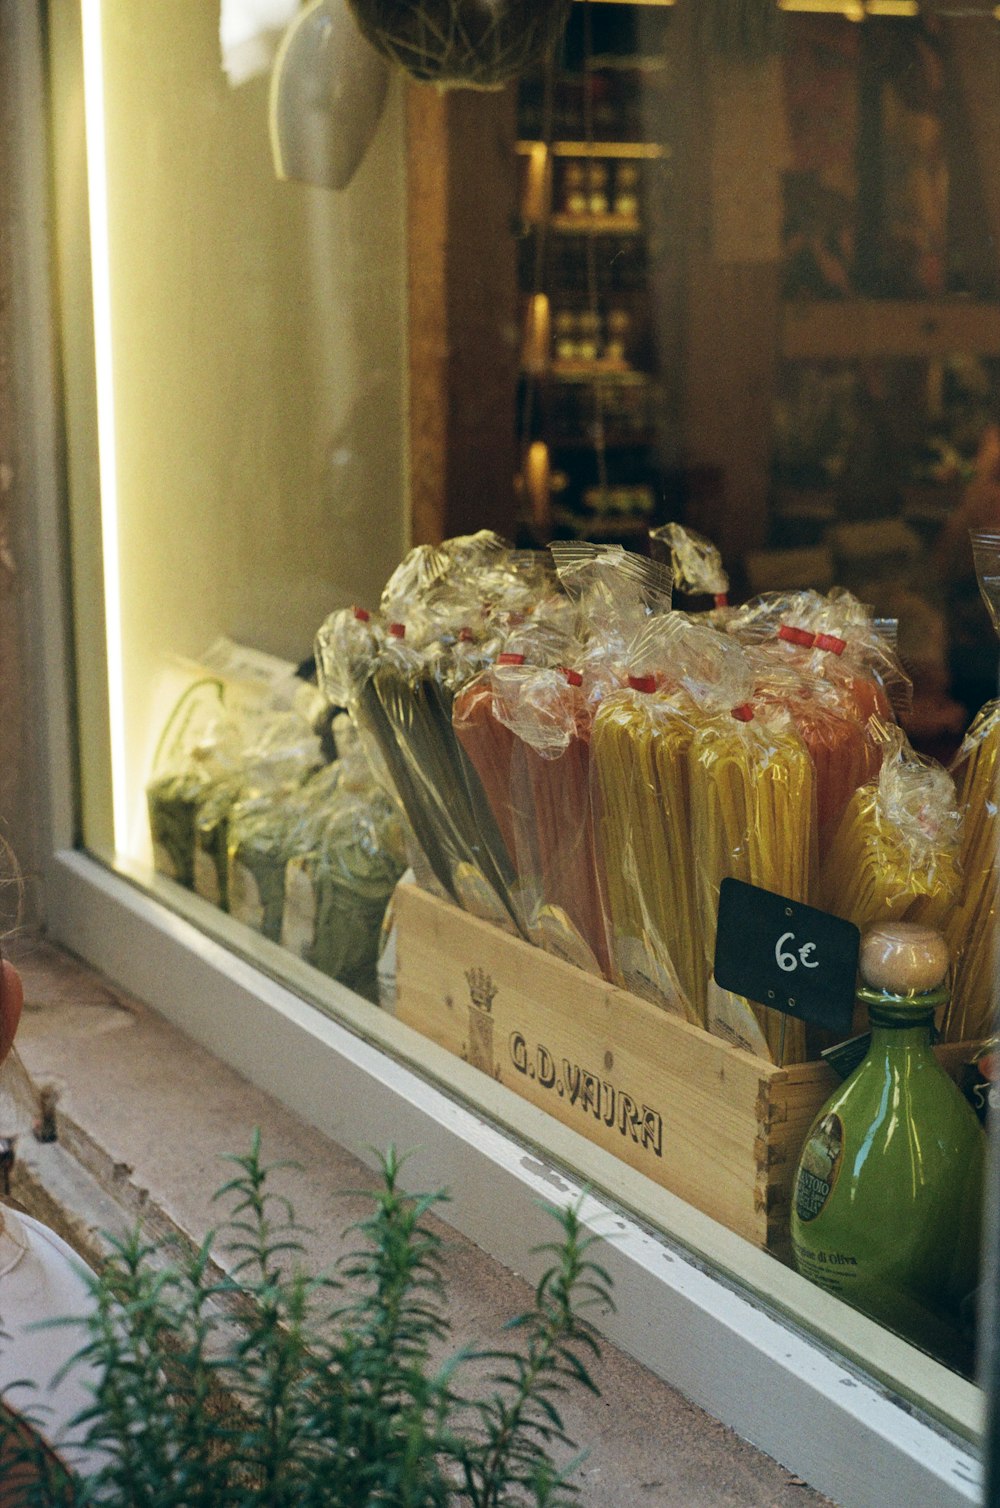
722,1332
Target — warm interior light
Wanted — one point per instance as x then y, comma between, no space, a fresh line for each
538,482
536,183
538,336
97,195
853,10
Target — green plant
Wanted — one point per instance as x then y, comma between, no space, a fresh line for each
269,1387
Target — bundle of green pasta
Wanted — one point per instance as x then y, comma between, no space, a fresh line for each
196,767
752,795
269,822
350,853
895,855
973,931
272,751
410,705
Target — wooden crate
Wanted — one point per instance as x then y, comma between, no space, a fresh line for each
710,1122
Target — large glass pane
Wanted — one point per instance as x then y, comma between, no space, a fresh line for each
727,267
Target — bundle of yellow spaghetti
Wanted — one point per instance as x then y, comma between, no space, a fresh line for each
753,804
894,856
639,747
972,933
843,753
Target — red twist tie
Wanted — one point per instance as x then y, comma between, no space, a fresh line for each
646,683
510,659
573,676
398,630
361,613
722,599
743,713
793,635
831,643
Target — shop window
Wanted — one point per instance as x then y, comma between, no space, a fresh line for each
741,280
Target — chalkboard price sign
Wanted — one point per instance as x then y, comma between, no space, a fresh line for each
785,955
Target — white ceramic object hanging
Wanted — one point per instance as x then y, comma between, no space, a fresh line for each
328,90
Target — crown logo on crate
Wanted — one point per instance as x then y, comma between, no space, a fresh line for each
481,988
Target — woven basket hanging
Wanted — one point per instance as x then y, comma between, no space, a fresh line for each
462,44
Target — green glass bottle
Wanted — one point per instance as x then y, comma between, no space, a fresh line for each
887,1196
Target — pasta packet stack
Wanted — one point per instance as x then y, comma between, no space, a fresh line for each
274,752
197,768
265,826
526,724
753,805
973,932
640,746
895,854
347,854
397,671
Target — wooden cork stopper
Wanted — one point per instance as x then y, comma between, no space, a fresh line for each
903,958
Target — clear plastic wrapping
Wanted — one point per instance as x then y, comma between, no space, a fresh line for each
285,784
695,561
835,638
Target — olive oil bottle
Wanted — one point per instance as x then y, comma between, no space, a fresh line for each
887,1196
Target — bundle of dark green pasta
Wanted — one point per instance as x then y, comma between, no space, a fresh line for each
439,786
442,613
286,784
197,770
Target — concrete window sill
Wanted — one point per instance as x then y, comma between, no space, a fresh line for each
146,1118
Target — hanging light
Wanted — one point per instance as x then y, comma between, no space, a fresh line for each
471,44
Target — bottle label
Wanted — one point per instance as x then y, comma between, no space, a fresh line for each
819,1167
